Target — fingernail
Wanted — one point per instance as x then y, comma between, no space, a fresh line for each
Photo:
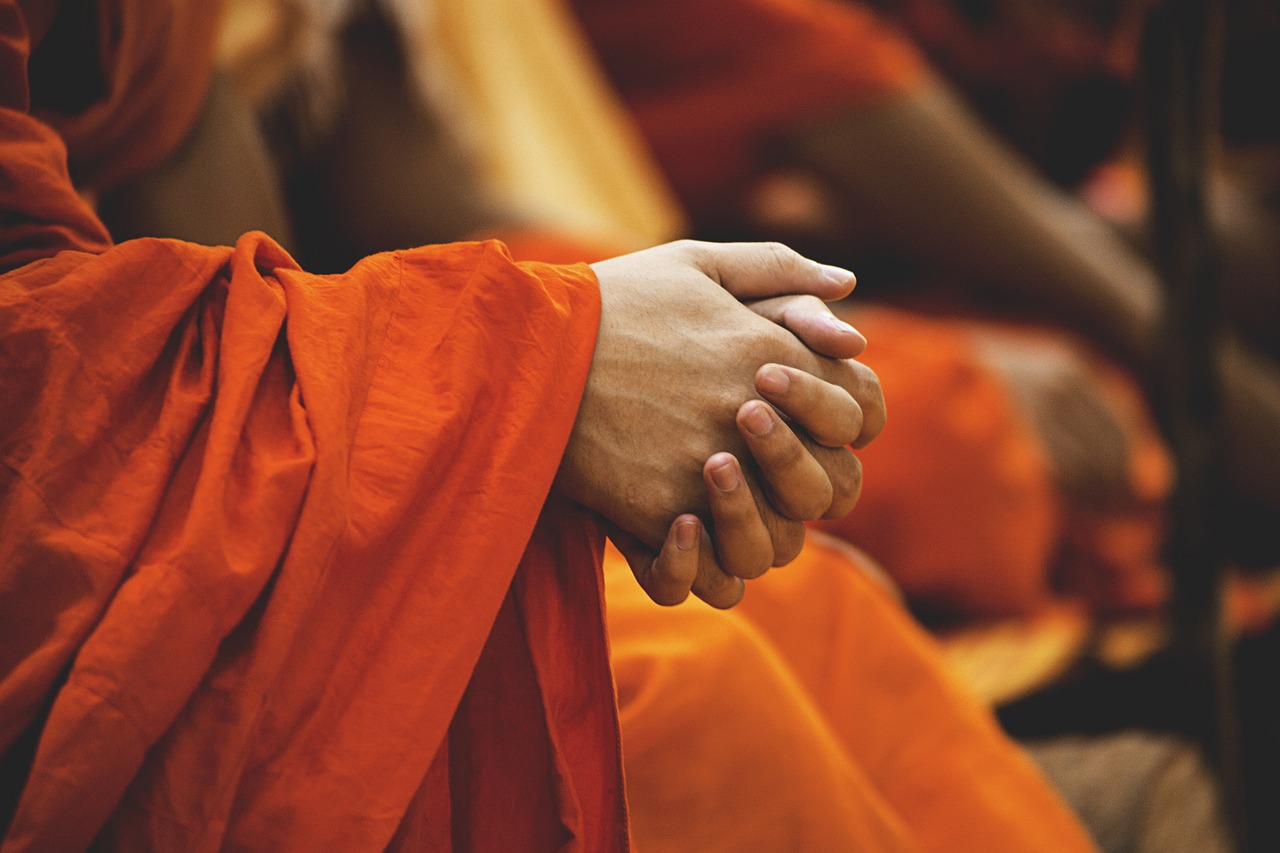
837,275
686,534
841,326
773,380
757,421
725,477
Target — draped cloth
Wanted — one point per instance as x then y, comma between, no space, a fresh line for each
814,716
279,568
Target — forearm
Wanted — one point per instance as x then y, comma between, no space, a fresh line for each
923,178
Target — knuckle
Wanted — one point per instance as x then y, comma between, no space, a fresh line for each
784,453
719,589
782,260
813,503
872,404
760,555
667,595
691,248
808,492
788,540
842,419
755,564
847,428
731,598
846,485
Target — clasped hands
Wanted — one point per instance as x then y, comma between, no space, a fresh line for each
721,359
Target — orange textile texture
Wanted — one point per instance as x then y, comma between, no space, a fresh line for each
958,500
815,716
244,583
713,83
121,81
248,597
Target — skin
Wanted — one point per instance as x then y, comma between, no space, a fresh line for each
686,379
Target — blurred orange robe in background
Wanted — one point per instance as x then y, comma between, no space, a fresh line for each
713,84
816,715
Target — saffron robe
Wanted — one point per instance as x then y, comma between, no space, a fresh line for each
278,567
814,716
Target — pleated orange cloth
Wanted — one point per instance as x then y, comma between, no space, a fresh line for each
814,716
714,83
278,567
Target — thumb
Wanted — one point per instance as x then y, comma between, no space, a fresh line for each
759,270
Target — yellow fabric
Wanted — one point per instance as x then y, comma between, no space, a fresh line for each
552,137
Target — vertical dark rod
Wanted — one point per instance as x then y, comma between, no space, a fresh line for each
1182,62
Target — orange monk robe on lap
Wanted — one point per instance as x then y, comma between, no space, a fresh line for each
275,568
815,716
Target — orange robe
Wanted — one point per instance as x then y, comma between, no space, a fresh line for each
714,84
960,502
814,716
275,565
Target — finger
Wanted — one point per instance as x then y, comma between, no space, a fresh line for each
798,486
672,574
743,546
856,378
759,270
713,585
810,320
667,577
844,470
827,412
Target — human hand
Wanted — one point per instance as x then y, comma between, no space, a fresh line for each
676,357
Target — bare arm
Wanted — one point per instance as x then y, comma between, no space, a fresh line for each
921,176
